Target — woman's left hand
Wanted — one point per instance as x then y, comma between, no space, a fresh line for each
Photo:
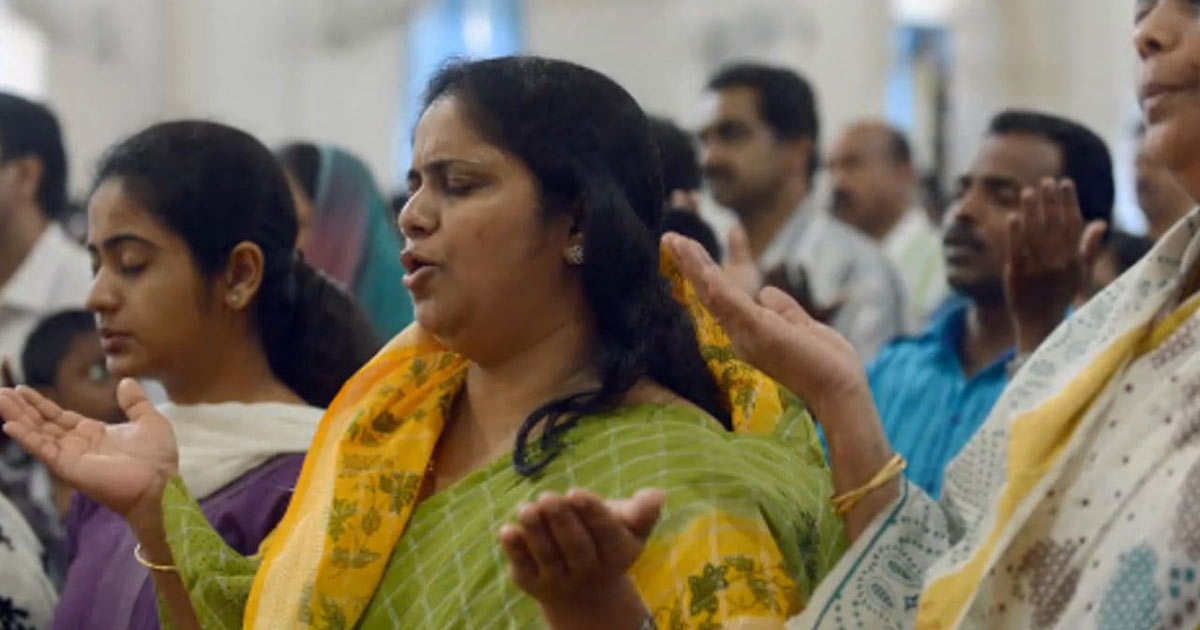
571,553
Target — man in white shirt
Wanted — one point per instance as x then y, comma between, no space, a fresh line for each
41,270
759,155
874,189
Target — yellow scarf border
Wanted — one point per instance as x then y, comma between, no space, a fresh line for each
1036,442
323,563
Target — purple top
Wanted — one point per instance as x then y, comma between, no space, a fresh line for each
107,589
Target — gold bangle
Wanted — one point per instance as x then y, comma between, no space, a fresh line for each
890,471
137,555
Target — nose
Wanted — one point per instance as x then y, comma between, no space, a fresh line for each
966,209
102,298
1158,31
710,154
419,218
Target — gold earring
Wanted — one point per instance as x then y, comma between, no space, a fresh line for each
575,255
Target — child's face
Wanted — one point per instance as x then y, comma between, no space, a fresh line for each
84,385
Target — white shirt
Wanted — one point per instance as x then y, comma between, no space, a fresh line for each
844,267
55,276
915,247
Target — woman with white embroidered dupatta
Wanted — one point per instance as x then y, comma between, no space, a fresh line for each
190,228
1077,504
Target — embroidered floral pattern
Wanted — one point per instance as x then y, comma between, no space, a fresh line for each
737,586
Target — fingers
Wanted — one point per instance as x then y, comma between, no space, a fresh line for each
1091,241
1042,214
47,410
540,541
785,305
14,410
575,545
729,304
617,546
36,443
641,513
523,568
1071,216
739,246
132,399
1017,259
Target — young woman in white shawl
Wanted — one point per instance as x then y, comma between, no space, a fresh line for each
191,227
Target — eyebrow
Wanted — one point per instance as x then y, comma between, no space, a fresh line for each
442,165
990,180
117,240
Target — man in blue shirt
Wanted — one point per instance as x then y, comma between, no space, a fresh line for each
934,390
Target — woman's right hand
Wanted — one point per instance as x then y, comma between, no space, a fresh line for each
123,466
774,334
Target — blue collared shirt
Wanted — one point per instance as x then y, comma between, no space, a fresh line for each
929,408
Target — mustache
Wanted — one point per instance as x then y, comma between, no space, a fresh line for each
717,172
959,233
842,198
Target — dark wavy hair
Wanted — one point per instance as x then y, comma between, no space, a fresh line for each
589,146
216,187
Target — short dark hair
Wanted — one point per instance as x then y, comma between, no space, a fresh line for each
786,101
31,129
1086,159
677,155
49,342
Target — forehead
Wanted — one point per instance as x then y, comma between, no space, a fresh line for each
862,140
1024,157
444,132
738,103
113,209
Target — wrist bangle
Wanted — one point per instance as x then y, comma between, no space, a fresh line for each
846,502
165,568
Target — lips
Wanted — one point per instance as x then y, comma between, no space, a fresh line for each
962,241
1154,95
419,269
114,341
959,243
414,262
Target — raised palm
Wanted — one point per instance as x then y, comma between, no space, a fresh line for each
773,333
123,466
1051,252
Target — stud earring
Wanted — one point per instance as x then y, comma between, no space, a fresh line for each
234,299
575,256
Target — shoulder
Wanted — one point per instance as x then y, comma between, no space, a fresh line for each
852,248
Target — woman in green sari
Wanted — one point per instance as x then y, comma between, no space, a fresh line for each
549,353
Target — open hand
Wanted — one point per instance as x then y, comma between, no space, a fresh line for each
774,334
572,552
1050,253
124,467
